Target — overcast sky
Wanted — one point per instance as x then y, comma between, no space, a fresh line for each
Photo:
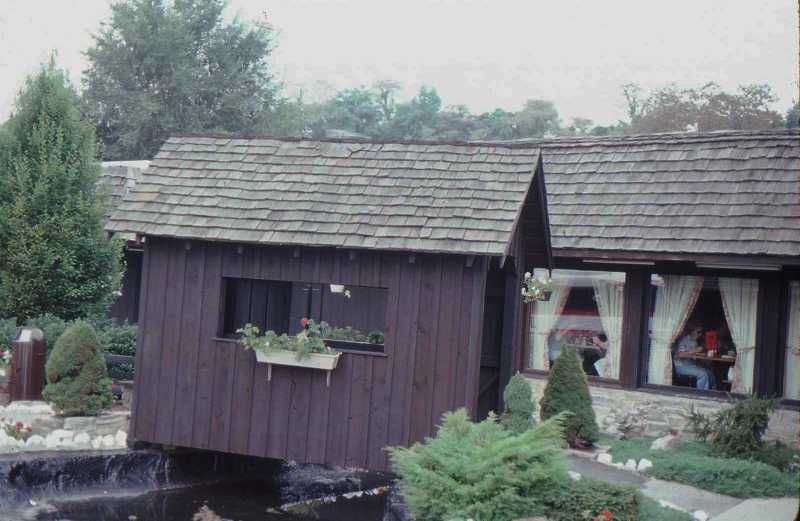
484,54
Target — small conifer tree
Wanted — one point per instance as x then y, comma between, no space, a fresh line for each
568,390
77,382
519,406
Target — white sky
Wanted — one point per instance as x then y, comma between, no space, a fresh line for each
485,54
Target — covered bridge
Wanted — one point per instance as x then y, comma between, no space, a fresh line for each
428,238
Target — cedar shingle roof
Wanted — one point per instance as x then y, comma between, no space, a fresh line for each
455,198
711,193
120,177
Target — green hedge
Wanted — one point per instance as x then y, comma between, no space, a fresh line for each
587,498
692,463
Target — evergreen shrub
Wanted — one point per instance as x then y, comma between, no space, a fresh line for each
483,471
588,499
519,406
77,383
567,389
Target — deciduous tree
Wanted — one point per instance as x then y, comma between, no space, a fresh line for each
158,68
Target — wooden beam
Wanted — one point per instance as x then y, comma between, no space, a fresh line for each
470,261
412,258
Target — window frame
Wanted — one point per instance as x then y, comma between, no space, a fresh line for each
345,346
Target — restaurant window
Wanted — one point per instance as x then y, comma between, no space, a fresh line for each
351,317
585,310
702,332
791,381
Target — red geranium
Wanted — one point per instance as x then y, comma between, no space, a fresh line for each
19,426
607,515
304,322
29,429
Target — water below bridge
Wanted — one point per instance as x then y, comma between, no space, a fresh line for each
190,486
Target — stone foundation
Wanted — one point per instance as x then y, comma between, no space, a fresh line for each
644,413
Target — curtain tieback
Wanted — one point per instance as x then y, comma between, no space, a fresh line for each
745,349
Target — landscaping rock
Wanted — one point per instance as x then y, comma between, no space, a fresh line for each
109,442
80,423
699,515
97,442
574,476
35,442
121,438
665,442
630,465
59,438
82,440
605,458
644,464
111,423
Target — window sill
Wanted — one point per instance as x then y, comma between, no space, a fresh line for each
596,381
357,352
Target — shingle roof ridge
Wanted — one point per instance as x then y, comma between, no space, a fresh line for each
662,137
354,140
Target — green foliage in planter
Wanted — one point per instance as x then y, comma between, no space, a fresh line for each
77,383
376,337
567,389
586,499
519,406
303,343
482,470
118,339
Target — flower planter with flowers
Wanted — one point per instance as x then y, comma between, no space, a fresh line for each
305,349
534,289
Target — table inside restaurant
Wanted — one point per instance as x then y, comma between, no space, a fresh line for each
718,364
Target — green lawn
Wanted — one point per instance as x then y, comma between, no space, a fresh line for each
691,463
650,510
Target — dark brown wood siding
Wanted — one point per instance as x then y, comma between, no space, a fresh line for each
197,390
126,306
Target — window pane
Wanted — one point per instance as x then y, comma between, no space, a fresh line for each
585,311
703,332
791,387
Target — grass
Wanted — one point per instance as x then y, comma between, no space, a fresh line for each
692,463
650,510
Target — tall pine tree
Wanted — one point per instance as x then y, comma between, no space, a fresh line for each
54,255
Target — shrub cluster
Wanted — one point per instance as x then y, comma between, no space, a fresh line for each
586,499
482,470
519,406
568,390
77,383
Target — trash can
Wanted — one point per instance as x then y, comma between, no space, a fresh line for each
28,354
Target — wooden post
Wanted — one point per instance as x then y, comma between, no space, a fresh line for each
28,353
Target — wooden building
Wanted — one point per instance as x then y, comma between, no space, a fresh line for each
651,236
430,236
119,178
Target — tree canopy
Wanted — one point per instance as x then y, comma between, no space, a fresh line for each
158,68
54,256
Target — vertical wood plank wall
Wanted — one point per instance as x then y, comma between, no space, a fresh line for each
196,390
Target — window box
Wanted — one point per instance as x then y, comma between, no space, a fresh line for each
354,346
320,361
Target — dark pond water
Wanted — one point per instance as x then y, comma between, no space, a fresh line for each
235,501
157,486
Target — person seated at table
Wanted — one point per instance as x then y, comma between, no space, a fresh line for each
591,356
684,364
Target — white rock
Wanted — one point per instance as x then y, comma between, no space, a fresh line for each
35,442
62,434
82,439
574,476
108,441
604,458
630,464
618,465
664,442
97,442
644,464
121,439
700,515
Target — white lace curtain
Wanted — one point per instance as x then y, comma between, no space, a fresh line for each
740,302
544,316
675,299
792,379
610,298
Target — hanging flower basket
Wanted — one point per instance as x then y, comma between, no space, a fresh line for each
535,290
